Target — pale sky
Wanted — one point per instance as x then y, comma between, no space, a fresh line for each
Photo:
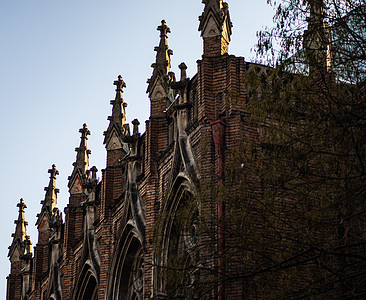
57,66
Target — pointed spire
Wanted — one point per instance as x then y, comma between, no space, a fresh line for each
215,26
81,164
82,157
163,52
116,129
21,240
162,62
118,110
50,199
21,231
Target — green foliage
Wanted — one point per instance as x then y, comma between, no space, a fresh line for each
310,157
294,192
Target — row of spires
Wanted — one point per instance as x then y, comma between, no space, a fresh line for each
214,22
117,137
81,172
21,241
117,127
215,12
20,247
21,244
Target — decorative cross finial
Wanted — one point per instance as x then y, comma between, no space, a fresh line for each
81,163
53,172
161,65
21,205
84,131
164,29
118,117
51,190
120,84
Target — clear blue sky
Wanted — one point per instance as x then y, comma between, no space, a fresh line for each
57,66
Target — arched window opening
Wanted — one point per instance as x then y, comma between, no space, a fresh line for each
131,280
126,279
179,246
91,291
87,287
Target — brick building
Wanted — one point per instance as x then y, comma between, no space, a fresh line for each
104,249
110,245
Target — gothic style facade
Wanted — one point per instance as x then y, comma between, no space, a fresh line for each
106,247
121,234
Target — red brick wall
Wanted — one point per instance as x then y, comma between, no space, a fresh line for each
214,46
14,281
217,91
